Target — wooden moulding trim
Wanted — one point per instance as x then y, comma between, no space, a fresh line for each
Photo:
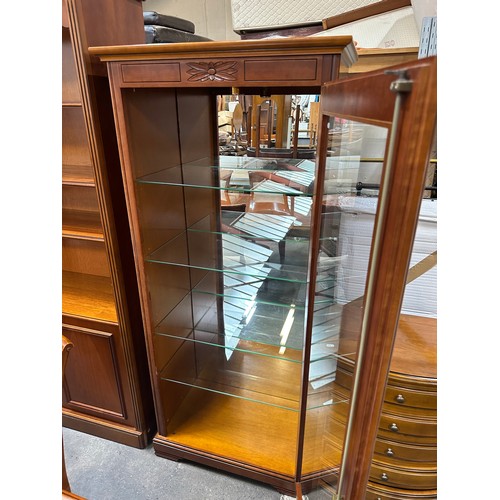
363,12
240,48
104,429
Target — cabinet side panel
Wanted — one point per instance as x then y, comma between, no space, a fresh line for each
197,132
154,148
152,129
197,136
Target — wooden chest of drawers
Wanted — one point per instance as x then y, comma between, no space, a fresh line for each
404,463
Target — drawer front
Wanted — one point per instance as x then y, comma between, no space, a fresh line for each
399,397
402,478
265,71
411,398
406,430
379,492
160,72
273,70
401,454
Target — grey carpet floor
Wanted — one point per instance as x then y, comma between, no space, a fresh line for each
99,469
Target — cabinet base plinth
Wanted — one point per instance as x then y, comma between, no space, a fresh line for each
106,430
285,485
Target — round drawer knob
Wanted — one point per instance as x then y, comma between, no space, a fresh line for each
400,399
384,476
389,452
393,427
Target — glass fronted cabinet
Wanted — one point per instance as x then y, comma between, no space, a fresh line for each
269,346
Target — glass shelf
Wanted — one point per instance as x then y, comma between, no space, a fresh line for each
244,375
180,177
250,292
255,265
252,326
342,175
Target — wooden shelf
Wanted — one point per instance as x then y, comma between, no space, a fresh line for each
78,175
82,224
88,296
256,434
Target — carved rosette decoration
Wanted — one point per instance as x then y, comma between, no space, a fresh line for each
212,71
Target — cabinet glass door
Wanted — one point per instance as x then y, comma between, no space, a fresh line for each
375,136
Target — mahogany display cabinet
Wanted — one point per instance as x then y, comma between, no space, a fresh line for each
106,388
269,348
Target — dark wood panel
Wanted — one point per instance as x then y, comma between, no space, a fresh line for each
91,382
167,285
151,123
162,216
160,72
272,70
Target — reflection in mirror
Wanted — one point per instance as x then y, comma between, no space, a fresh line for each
278,126
267,161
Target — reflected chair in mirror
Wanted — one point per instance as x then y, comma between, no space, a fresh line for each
278,152
241,142
230,199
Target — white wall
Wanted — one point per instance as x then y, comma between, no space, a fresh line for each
212,18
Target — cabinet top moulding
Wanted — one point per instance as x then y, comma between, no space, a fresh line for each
342,45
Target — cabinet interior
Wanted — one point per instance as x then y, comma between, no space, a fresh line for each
234,324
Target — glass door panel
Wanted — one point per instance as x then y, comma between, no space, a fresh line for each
354,155
375,135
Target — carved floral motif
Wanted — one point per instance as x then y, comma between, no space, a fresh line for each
213,71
